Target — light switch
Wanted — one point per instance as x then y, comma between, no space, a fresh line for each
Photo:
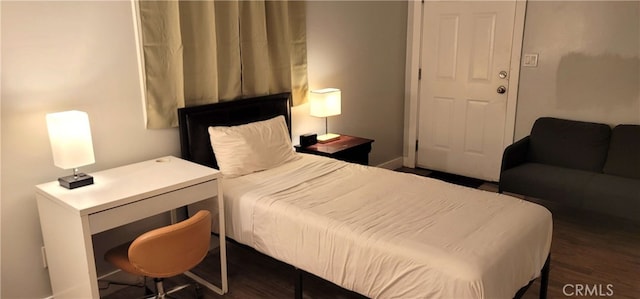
530,60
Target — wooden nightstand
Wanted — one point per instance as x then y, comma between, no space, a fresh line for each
347,148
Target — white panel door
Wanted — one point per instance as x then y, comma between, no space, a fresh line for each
465,47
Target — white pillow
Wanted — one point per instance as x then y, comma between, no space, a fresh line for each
252,147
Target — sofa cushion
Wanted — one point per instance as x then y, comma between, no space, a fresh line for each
624,152
568,143
613,195
563,185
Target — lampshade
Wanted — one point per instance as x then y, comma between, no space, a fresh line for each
324,102
70,137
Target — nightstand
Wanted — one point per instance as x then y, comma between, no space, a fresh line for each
347,148
119,196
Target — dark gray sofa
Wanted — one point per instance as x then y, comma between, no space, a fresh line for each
578,164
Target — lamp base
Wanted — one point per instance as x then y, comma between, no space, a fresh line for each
75,181
328,137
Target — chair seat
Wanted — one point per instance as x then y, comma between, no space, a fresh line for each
547,182
165,252
119,257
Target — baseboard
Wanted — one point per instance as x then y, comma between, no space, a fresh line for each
391,164
408,162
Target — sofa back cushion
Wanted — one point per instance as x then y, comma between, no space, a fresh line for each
624,152
569,143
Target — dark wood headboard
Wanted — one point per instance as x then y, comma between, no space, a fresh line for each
194,122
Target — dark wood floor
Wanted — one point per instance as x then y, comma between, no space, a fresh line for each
589,250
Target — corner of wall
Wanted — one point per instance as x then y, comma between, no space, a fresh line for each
392,164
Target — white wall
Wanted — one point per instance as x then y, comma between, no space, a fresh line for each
589,63
59,56
359,47
81,55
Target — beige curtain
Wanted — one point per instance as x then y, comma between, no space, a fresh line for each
198,52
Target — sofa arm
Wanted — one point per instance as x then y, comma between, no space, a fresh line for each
515,154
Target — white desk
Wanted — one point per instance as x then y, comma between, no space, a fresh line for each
119,196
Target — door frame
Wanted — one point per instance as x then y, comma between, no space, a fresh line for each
412,83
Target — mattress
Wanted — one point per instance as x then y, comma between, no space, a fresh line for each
387,234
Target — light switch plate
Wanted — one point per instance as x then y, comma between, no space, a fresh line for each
530,60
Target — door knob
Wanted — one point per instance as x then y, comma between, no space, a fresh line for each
501,89
502,74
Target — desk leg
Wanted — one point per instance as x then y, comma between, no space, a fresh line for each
223,251
223,239
69,250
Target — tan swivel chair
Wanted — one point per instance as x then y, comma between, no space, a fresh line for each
166,251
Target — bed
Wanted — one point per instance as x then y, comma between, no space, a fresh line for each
377,232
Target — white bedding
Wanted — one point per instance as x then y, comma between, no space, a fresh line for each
389,234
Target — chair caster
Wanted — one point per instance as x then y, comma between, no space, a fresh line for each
199,293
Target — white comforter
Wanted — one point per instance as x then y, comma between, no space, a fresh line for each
389,234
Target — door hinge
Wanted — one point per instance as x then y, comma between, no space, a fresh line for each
416,145
420,74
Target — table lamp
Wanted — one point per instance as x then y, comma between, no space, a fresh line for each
71,145
324,103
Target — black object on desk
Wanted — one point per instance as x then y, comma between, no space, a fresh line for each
308,139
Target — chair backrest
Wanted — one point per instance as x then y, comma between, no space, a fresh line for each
623,158
174,249
569,143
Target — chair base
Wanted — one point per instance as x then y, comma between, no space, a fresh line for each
105,284
162,294
160,291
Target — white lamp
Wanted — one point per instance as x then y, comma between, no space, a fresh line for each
324,103
71,145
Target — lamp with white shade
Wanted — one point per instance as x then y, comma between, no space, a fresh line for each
324,103
71,145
